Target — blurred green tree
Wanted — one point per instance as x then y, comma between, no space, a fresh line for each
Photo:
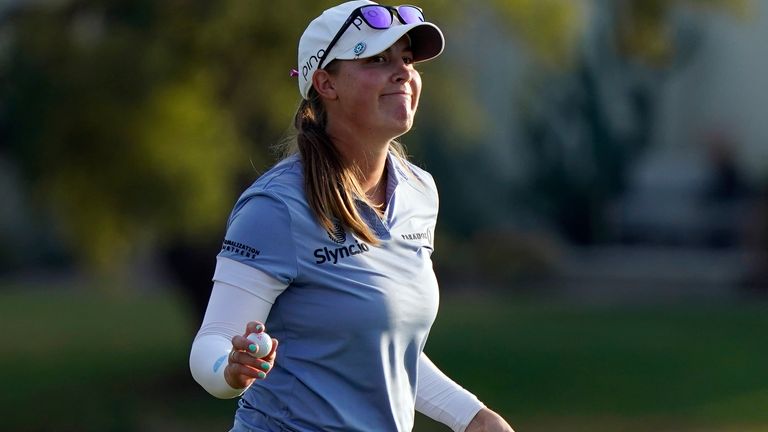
137,122
133,118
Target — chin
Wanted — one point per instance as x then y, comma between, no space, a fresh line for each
402,128
405,120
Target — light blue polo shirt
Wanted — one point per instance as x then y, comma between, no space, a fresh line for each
354,317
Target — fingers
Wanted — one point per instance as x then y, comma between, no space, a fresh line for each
241,343
239,376
244,365
246,352
242,369
267,362
271,356
254,327
258,364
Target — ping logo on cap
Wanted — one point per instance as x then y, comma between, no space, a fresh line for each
311,63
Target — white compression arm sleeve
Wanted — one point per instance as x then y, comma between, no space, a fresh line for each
240,294
441,399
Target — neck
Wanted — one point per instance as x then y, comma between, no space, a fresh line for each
370,158
371,165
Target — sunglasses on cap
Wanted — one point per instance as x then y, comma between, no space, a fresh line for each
378,17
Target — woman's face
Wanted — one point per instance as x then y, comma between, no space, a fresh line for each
378,96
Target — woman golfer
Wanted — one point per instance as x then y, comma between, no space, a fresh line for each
330,249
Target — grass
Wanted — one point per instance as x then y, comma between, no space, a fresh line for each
74,361
84,362
679,367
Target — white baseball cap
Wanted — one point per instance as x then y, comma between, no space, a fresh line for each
359,40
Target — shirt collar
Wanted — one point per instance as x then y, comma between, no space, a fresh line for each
397,173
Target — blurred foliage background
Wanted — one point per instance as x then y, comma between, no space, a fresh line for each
602,170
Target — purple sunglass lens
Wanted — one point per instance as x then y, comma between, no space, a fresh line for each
410,14
377,17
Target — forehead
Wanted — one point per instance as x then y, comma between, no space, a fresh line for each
402,44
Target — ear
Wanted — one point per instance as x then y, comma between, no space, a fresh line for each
324,84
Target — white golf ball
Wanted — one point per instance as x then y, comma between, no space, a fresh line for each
263,342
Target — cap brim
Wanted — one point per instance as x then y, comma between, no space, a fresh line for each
427,42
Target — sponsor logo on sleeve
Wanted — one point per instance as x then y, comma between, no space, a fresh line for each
240,249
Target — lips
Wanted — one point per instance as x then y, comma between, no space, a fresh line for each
401,92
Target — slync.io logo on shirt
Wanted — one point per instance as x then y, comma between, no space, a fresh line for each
332,256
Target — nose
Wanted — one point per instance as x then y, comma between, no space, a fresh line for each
403,72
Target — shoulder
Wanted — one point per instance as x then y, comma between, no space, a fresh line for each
419,179
285,178
283,182
274,196
421,174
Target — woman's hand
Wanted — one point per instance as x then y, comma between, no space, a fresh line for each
245,366
488,421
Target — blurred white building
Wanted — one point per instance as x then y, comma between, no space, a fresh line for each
690,192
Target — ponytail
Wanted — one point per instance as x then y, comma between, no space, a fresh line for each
330,183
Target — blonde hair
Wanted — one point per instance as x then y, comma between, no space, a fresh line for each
331,184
